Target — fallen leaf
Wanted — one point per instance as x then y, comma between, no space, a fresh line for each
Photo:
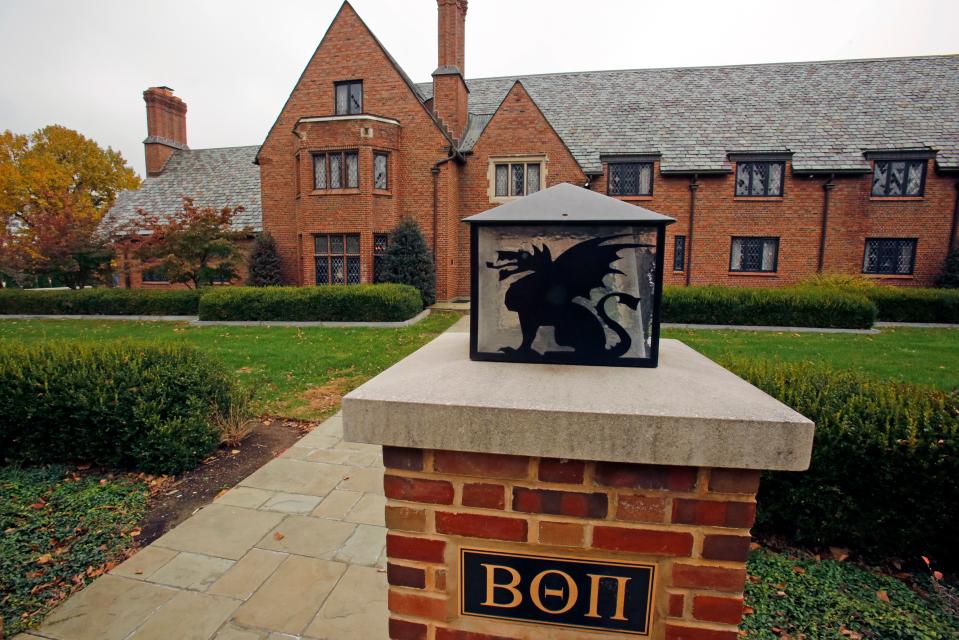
235,451
849,633
799,570
754,545
882,595
44,559
278,536
937,575
747,610
839,553
135,533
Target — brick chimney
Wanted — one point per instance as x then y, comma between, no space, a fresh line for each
166,127
450,95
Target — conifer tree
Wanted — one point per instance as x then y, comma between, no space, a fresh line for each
264,262
408,260
950,275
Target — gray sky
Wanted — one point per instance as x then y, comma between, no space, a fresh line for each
85,63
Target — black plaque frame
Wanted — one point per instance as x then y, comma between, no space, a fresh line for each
564,357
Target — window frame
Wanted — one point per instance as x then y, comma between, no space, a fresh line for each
679,256
763,239
378,255
912,259
329,255
640,164
765,194
349,84
386,156
146,268
327,174
509,163
906,161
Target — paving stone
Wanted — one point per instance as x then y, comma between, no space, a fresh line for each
371,509
296,476
306,536
192,571
291,503
318,440
108,609
337,504
248,574
142,565
355,609
364,458
26,636
290,598
362,479
188,616
231,632
363,547
331,456
331,427
297,453
221,530
244,497
358,446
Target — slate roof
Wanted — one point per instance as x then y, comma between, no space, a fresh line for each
825,113
224,177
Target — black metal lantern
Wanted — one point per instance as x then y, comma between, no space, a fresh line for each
566,276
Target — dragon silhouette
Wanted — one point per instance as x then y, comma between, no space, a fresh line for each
545,297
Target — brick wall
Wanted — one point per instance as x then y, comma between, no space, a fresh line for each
692,523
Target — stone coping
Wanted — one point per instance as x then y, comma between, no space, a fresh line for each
195,321
688,411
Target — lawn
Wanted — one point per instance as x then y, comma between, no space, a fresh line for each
297,372
921,356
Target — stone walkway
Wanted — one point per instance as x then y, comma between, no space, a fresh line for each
296,550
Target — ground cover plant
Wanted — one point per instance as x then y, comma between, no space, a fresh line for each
298,372
61,529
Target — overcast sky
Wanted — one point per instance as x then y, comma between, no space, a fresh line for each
84,64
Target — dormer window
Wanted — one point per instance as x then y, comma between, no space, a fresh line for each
349,97
759,179
898,178
630,179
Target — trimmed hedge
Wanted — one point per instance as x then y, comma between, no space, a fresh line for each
884,477
119,302
118,404
907,304
782,307
344,303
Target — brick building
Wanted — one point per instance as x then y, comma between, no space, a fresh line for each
774,172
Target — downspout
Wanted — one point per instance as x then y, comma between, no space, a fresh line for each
827,189
693,187
436,175
953,240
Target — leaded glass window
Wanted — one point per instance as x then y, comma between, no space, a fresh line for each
517,179
156,273
380,243
337,258
759,255
381,171
896,178
630,179
889,256
759,179
349,97
679,253
336,170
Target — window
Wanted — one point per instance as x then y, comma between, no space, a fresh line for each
154,274
889,256
516,179
630,179
336,170
337,258
896,178
381,162
679,254
754,254
349,97
380,242
759,179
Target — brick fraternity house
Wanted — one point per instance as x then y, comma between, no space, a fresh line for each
774,172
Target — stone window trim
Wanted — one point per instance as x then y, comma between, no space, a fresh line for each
337,258
877,253
541,160
348,97
754,255
910,184
335,160
755,180
645,173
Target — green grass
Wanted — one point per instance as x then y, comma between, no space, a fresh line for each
920,356
297,372
59,529
793,595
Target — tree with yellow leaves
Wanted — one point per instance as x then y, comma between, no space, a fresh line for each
55,187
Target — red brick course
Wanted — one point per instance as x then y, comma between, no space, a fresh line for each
420,549
418,490
487,496
563,471
405,630
481,526
401,576
482,465
639,476
718,609
560,503
646,541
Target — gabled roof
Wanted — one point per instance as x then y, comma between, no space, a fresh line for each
216,178
826,114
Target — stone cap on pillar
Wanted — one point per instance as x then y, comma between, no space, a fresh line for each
689,411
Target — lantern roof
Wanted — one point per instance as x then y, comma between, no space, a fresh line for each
565,202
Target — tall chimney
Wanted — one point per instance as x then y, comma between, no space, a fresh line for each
166,127
450,95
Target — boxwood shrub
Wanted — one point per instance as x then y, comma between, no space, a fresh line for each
352,303
782,307
909,304
120,302
884,477
118,404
